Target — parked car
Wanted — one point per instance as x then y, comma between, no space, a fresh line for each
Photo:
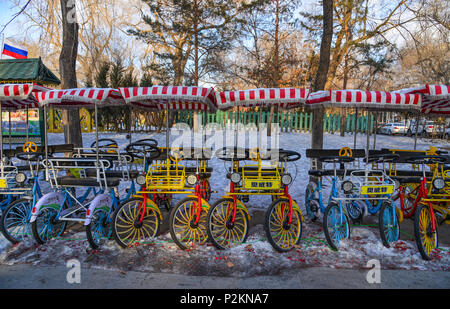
425,128
394,128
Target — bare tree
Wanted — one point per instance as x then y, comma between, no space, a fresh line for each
67,64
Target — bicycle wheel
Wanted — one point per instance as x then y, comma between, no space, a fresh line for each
335,225
311,203
410,196
206,186
47,226
98,231
388,223
221,231
184,229
282,235
426,238
130,227
14,222
355,210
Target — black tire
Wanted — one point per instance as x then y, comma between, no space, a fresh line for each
388,233
47,217
331,208
124,218
16,212
217,221
180,216
101,227
273,221
423,232
312,213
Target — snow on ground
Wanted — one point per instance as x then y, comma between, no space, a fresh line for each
256,257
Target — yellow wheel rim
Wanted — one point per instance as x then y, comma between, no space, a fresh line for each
187,234
225,235
284,238
125,226
428,239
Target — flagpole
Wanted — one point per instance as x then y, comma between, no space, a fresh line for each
3,46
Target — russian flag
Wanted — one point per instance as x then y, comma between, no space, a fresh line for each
14,52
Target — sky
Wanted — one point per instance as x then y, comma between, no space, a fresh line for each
6,13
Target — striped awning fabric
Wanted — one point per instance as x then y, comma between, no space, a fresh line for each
80,97
435,98
375,100
285,98
20,96
159,98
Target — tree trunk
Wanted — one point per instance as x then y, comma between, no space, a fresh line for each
67,65
196,115
322,72
344,86
276,69
321,75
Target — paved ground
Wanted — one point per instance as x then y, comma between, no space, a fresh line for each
34,277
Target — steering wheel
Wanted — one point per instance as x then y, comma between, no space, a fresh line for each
29,147
232,154
254,154
336,159
345,152
150,141
30,156
385,157
176,155
427,159
143,150
289,155
105,143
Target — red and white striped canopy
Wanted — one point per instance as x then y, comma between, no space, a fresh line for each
79,97
283,97
159,98
19,96
366,99
435,98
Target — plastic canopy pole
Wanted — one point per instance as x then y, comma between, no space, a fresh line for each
368,138
27,124
167,131
375,131
9,124
96,133
354,128
1,138
46,143
417,130
130,120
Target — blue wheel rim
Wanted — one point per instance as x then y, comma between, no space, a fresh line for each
16,221
98,230
390,224
337,225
